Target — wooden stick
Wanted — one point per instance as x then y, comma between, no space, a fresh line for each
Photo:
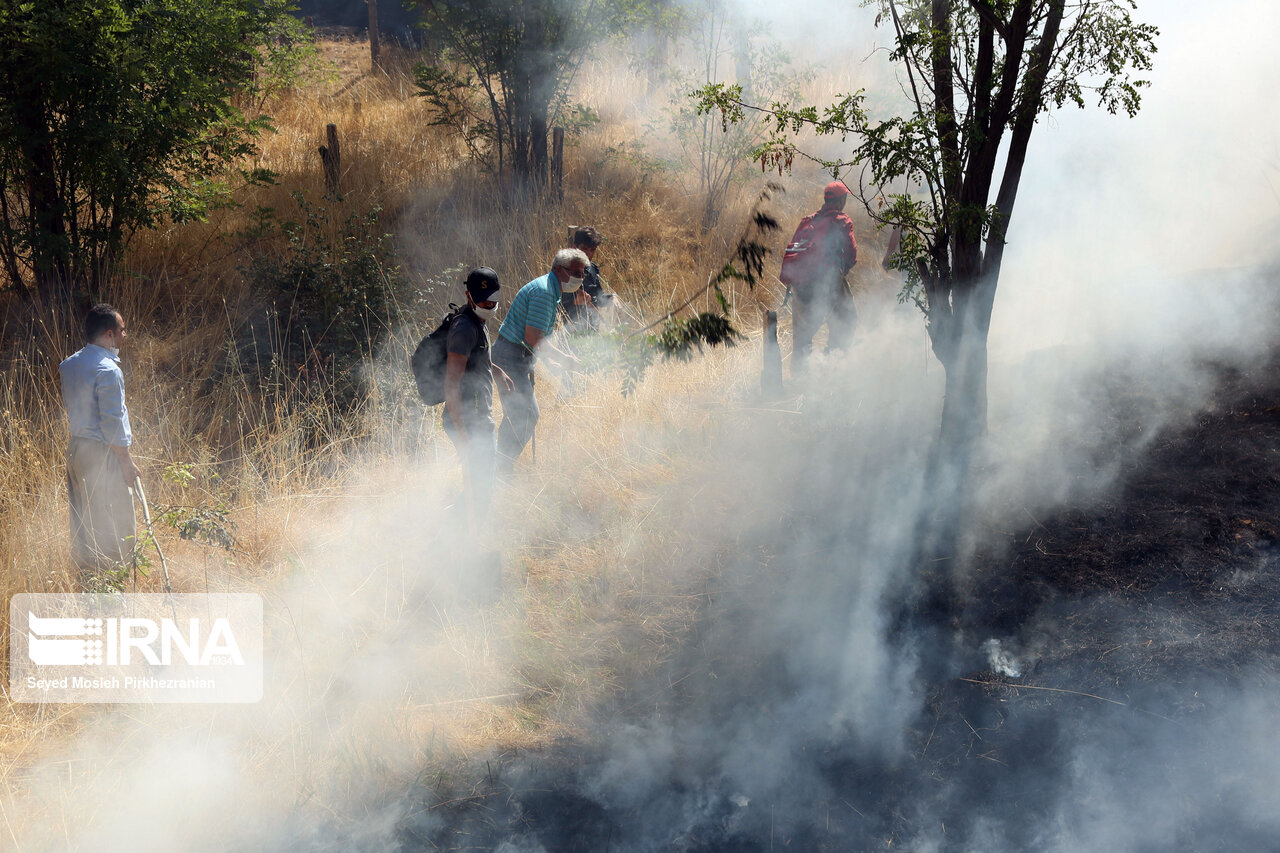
1064,690
331,157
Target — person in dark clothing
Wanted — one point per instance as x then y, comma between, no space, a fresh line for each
583,312
814,267
468,391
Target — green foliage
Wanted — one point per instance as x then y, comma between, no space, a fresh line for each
288,57
681,338
209,525
115,115
459,104
614,349
116,578
634,154
977,75
632,354
334,291
716,151
501,80
664,17
577,119
179,474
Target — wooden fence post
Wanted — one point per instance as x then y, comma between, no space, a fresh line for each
373,34
331,157
557,162
771,376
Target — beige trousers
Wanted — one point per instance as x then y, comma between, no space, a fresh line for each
102,521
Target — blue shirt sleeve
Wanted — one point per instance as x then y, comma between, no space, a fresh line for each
113,415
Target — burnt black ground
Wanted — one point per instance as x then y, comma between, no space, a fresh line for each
1191,531
1138,623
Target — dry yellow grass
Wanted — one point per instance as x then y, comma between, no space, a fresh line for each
587,603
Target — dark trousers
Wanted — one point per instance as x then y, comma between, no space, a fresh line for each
102,520
519,406
477,454
810,309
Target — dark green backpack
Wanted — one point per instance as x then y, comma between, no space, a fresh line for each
429,359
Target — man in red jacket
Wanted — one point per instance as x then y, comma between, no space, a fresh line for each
814,266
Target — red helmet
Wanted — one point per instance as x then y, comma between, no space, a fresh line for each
835,190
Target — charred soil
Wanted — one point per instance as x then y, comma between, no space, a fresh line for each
1098,672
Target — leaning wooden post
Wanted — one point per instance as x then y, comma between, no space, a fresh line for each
373,34
557,162
331,157
771,376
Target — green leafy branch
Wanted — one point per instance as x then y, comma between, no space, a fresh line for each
680,338
210,526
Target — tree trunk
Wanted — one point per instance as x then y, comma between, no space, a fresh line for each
964,409
538,159
963,426
8,249
557,163
48,227
375,46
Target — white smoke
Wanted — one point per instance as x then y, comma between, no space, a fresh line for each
1131,254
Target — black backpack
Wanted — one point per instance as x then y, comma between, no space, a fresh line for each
429,359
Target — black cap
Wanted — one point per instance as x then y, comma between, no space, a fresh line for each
482,284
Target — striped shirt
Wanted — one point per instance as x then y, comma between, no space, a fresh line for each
535,305
93,392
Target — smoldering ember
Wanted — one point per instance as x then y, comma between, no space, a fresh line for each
674,427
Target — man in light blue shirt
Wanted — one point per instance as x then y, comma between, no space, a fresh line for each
100,471
521,337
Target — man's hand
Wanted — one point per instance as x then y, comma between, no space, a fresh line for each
128,469
505,382
569,363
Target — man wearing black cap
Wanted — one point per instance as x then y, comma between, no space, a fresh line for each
814,267
583,312
468,389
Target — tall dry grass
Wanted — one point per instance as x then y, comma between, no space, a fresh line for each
588,603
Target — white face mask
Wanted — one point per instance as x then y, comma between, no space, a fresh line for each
482,313
572,285
114,351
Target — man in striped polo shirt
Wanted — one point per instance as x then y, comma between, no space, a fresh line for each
521,338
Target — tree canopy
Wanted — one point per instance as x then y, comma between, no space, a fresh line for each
976,75
505,68
115,114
